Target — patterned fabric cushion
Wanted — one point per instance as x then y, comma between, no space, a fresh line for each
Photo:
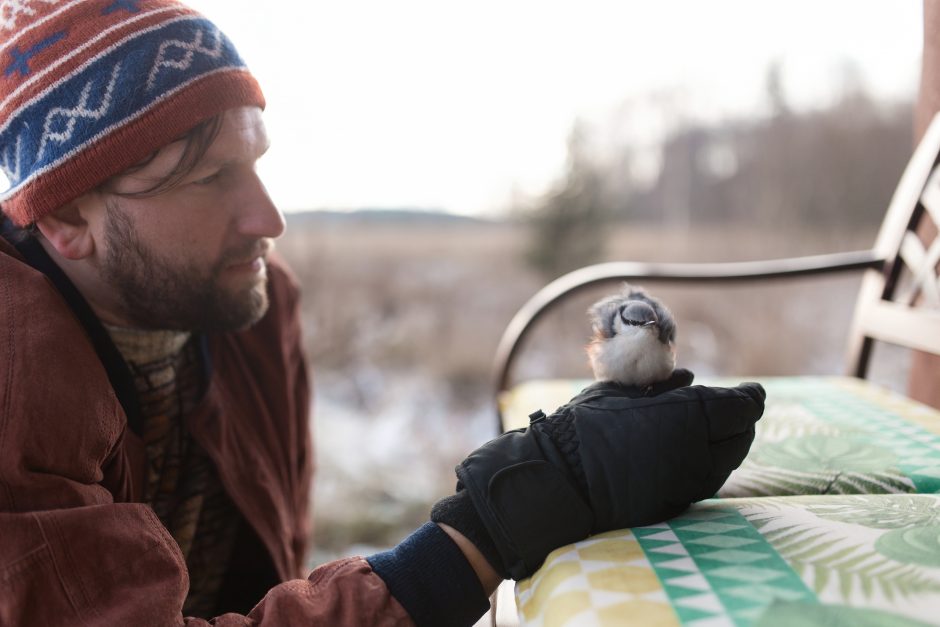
800,560
819,435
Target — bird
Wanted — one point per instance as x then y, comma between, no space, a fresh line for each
634,339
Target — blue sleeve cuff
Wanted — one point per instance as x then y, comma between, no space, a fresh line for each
429,575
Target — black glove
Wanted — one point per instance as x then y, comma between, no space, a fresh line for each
613,457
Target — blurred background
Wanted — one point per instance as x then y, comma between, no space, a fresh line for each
440,162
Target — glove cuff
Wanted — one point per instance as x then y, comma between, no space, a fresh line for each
458,512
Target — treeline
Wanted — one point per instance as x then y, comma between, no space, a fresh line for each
818,169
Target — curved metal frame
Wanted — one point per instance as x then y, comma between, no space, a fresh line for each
549,296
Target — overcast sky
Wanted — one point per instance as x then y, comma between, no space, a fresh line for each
439,104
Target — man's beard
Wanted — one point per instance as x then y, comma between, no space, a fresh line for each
156,294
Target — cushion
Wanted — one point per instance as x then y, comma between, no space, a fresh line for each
823,560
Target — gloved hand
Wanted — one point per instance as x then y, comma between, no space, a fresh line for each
613,457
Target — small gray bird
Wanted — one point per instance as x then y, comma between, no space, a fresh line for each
634,339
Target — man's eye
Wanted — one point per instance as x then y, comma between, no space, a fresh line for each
208,179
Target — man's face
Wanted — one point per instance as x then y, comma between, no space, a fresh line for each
193,257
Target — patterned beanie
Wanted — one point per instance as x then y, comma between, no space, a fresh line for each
89,88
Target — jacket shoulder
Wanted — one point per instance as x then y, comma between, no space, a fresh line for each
61,417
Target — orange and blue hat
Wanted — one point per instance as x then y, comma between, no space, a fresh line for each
89,88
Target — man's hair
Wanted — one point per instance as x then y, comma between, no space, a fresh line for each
198,140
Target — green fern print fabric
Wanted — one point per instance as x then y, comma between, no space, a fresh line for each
839,436
846,560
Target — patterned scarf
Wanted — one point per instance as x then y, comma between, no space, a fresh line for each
182,484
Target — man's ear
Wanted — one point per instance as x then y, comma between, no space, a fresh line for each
69,232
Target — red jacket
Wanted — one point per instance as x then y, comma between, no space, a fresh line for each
76,545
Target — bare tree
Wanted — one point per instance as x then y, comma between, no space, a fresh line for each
568,224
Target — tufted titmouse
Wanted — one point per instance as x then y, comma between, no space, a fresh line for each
634,339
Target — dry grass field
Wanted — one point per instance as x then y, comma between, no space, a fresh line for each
402,320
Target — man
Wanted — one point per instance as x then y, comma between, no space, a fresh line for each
154,445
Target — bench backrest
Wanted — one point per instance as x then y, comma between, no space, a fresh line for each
900,302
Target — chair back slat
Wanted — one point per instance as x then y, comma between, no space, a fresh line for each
901,303
922,263
907,326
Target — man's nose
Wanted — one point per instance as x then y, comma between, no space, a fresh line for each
259,216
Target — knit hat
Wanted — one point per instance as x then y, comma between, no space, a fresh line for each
89,88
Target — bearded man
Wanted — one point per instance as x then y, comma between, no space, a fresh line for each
155,458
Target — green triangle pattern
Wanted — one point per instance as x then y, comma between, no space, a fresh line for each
917,450
719,567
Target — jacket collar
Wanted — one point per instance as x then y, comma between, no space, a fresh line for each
118,373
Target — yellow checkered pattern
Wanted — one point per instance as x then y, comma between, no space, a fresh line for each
605,581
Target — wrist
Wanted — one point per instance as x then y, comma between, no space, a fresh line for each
487,575
458,513
432,579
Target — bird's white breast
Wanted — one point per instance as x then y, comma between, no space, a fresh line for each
633,357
